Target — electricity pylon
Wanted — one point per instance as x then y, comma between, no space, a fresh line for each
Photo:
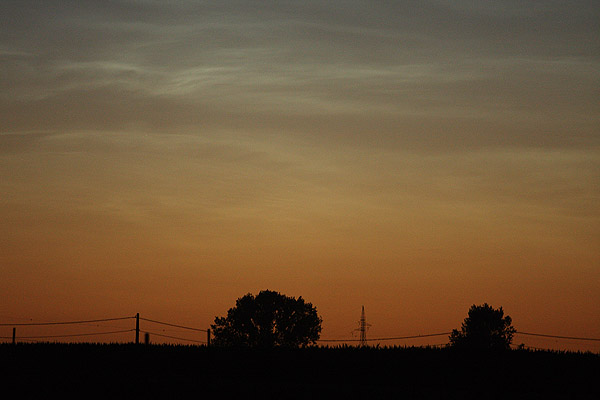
362,328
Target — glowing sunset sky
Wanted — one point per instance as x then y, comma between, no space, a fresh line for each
414,157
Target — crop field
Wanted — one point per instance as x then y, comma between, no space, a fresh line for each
167,371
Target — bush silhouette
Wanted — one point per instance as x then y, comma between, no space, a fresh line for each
485,328
268,320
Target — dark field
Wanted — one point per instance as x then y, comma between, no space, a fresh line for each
118,371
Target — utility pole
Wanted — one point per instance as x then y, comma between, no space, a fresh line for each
137,328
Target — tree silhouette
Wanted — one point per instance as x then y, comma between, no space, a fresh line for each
485,328
268,320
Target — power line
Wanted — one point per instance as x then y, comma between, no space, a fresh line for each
415,336
174,337
448,333
66,323
386,338
557,337
206,330
71,335
176,326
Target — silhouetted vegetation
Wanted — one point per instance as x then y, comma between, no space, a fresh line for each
155,371
268,320
282,365
485,328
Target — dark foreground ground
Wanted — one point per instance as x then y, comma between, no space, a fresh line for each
172,372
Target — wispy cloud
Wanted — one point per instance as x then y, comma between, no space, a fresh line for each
361,139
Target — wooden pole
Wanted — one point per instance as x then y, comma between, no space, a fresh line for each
137,328
147,338
208,337
14,336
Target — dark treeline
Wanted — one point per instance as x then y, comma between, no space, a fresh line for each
150,371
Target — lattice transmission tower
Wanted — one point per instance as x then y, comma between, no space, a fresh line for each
362,328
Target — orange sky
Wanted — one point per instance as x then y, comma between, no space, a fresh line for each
414,159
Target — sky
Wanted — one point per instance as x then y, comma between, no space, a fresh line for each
411,157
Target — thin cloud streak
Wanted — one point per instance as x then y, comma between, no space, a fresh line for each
388,149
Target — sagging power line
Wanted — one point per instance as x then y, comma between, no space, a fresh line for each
70,335
174,337
557,337
174,325
363,327
387,338
137,330
67,322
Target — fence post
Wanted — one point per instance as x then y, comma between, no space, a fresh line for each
208,337
137,328
14,336
146,338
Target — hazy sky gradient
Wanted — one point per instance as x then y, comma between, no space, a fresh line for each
415,157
